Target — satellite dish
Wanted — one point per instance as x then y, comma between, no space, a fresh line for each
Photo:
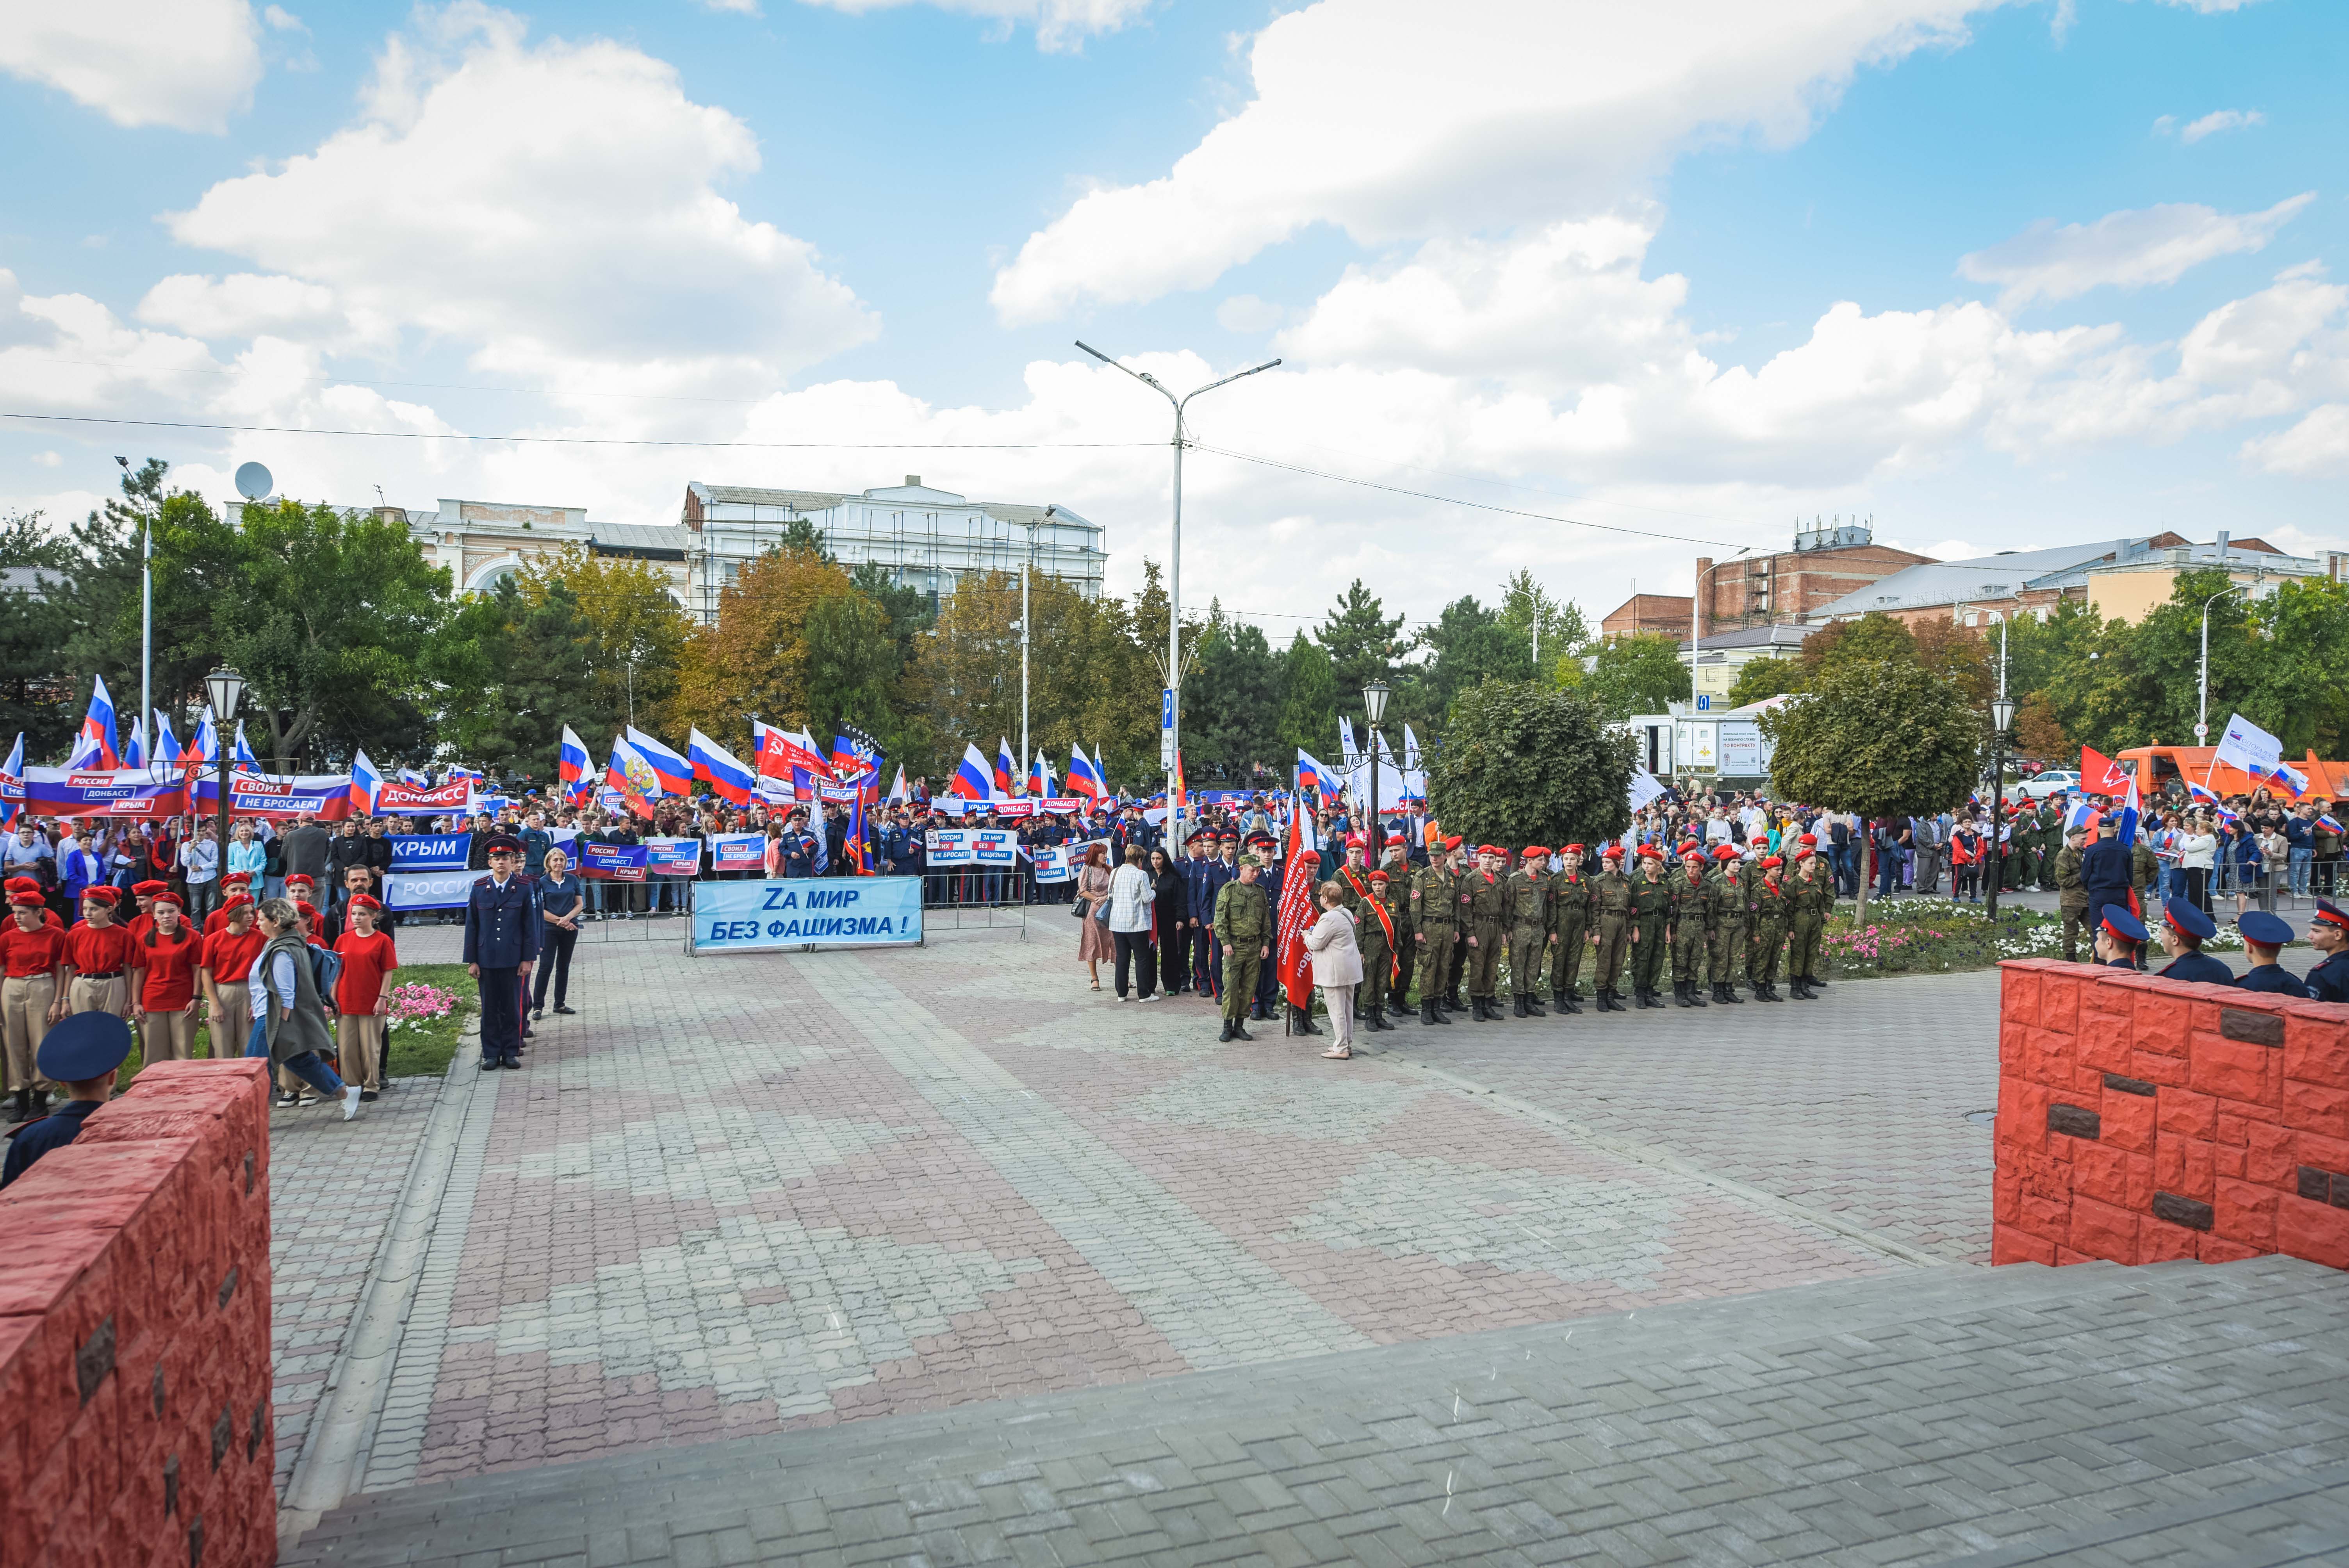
252,481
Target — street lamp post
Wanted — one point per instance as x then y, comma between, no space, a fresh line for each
226,688
2202,684
1026,749
1375,708
1175,567
2001,716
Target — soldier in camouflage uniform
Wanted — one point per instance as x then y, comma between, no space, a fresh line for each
1487,909
1570,925
1406,950
1727,921
2051,835
1652,914
1528,900
1692,925
1436,928
1375,938
2145,870
1810,899
2072,894
1610,920
1244,927
1766,914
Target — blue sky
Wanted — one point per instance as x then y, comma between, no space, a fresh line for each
1539,255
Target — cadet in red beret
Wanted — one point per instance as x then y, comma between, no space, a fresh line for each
1610,928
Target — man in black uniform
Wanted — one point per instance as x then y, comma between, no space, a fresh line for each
501,924
2105,872
82,1054
2264,935
2184,929
2328,933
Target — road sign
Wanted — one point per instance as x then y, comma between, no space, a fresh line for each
1703,702
2201,733
1165,726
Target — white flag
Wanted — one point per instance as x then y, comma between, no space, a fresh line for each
2248,746
1644,788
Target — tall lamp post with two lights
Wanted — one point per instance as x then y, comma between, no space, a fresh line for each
1375,708
2001,719
226,688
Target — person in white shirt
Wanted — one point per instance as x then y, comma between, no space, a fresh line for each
1131,901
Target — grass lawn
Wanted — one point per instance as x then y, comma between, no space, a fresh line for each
418,1048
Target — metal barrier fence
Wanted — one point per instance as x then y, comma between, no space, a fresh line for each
970,898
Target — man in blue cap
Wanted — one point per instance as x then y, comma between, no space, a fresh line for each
2328,933
2105,872
501,924
2184,929
2117,935
82,1054
2264,935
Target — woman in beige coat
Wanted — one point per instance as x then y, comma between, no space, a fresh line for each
1093,943
1337,965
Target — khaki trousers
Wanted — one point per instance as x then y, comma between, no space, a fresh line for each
232,1022
99,996
360,1042
167,1037
23,1024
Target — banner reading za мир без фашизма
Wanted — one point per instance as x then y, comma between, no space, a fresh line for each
806,911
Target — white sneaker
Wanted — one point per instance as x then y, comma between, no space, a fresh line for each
350,1102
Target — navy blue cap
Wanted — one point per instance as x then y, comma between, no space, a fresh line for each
2116,919
502,844
86,1045
2267,929
2190,919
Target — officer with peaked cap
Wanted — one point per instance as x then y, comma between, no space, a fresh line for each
2119,935
2328,933
82,1054
2184,929
502,941
2264,935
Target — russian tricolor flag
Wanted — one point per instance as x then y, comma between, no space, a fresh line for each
973,780
1006,769
1312,774
167,745
98,744
366,784
1084,775
571,769
12,784
720,768
1039,776
205,747
629,775
134,750
675,773
244,753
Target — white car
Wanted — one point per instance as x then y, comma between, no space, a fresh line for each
2041,785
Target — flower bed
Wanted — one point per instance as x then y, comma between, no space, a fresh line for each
1939,936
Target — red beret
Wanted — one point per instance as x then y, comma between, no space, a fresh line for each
1453,842
1569,848
1649,853
149,888
1724,852
26,900
239,879
1534,850
1353,841
170,898
1771,862
236,901
1397,841
365,900
1808,840
1380,876
301,880
102,893
1613,852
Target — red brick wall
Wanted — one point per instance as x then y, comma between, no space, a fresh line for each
2141,1120
135,1421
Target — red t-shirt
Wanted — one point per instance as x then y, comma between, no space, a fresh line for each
92,951
139,926
365,960
29,952
171,967
230,957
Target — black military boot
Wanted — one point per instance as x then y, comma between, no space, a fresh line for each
1452,1000
1396,1006
1239,1032
1814,981
1518,1004
1378,1019
1300,1019
1803,992
1227,1035
20,1105
1652,998
1766,991
1427,1018
1566,1002
1694,1000
1534,1006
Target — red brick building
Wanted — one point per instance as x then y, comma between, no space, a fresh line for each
1665,614
1825,565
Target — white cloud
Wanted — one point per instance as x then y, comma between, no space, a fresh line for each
47,459
1369,116
242,304
1060,25
2135,248
185,64
2316,447
2211,7
1247,314
553,206
281,20
740,7
2209,124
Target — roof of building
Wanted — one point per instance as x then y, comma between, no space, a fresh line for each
753,495
1776,634
1988,577
654,541
1017,513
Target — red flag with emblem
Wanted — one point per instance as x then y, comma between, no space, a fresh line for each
1297,913
2100,775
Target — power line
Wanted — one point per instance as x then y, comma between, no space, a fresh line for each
1455,501
576,440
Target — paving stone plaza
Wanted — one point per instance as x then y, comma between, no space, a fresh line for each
936,1256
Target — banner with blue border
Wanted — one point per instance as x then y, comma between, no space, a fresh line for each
806,911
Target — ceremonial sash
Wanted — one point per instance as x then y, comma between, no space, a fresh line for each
1394,958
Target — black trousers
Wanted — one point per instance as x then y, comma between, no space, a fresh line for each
1134,949
500,1013
1171,945
553,959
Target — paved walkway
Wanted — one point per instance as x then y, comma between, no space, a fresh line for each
2096,1415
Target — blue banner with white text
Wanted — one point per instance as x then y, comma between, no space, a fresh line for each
806,911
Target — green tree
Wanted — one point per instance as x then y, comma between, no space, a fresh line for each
1362,643
1638,674
637,629
1470,645
1522,764
1309,704
851,666
534,655
1758,678
1526,605
327,618
37,620
1232,701
1875,636
1882,737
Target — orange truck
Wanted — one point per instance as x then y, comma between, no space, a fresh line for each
2156,766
